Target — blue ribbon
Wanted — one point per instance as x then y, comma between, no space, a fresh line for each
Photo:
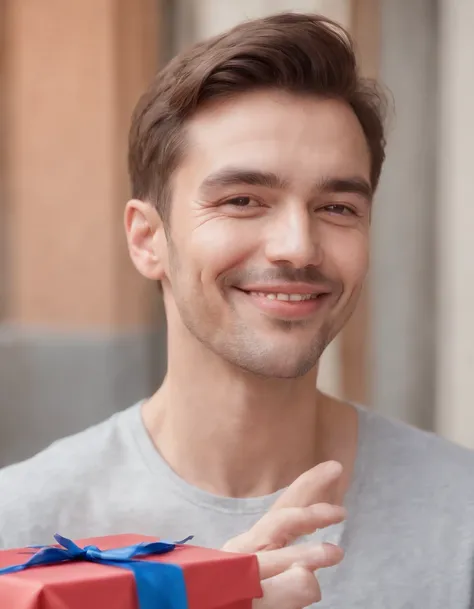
159,585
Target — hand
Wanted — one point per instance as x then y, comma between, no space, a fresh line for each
287,572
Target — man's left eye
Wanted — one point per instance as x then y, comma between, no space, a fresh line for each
242,201
340,209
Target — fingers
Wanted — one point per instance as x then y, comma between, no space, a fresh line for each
278,529
281,527
310,556
304,507
293,589
314,486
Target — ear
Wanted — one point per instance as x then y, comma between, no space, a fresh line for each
146,239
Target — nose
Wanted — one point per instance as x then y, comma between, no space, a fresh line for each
293,239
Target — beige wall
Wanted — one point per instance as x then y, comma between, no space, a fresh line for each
78,335
75,70
3,165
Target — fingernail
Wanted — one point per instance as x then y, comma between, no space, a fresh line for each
332,547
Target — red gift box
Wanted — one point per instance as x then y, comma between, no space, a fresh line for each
214,579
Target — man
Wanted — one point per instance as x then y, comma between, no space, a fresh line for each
254,158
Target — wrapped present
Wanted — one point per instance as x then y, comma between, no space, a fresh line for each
126,572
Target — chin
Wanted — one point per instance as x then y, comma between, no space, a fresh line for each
276,366
274,356
279,371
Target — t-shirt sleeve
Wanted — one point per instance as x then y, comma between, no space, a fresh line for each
41,496
27,503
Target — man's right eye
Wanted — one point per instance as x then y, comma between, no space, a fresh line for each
240,201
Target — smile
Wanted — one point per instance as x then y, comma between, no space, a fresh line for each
285,297
290,305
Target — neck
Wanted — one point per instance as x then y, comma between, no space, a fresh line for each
230,432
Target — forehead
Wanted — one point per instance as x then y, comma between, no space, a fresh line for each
301,138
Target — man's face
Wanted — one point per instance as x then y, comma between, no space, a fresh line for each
268,236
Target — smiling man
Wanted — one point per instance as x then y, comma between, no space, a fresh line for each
268,237
254,158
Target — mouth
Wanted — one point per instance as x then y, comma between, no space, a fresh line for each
284,297
286,304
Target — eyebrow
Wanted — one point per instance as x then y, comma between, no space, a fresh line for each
234,176
355,185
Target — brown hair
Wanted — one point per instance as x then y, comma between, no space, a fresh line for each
298,53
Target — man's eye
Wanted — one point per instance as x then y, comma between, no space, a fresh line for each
338,208
241,202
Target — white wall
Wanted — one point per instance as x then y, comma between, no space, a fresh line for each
215,16
455,225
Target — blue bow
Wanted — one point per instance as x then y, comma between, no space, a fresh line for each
158,584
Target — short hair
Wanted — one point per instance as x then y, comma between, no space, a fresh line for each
296,53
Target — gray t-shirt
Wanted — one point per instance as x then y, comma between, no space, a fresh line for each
409,537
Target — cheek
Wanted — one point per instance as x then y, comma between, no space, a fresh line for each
346,252
220,245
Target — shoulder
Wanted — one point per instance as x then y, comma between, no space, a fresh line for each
420,462
34,491
415,498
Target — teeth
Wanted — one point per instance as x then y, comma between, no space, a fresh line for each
285,297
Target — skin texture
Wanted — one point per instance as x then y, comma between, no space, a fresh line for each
272,195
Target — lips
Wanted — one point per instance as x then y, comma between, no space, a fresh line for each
286,305
283,296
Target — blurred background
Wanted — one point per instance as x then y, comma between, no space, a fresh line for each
82,336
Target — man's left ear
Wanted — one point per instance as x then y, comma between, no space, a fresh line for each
146,239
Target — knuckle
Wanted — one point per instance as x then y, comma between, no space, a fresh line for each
287,518
289,523
285,515
279,528
328,512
